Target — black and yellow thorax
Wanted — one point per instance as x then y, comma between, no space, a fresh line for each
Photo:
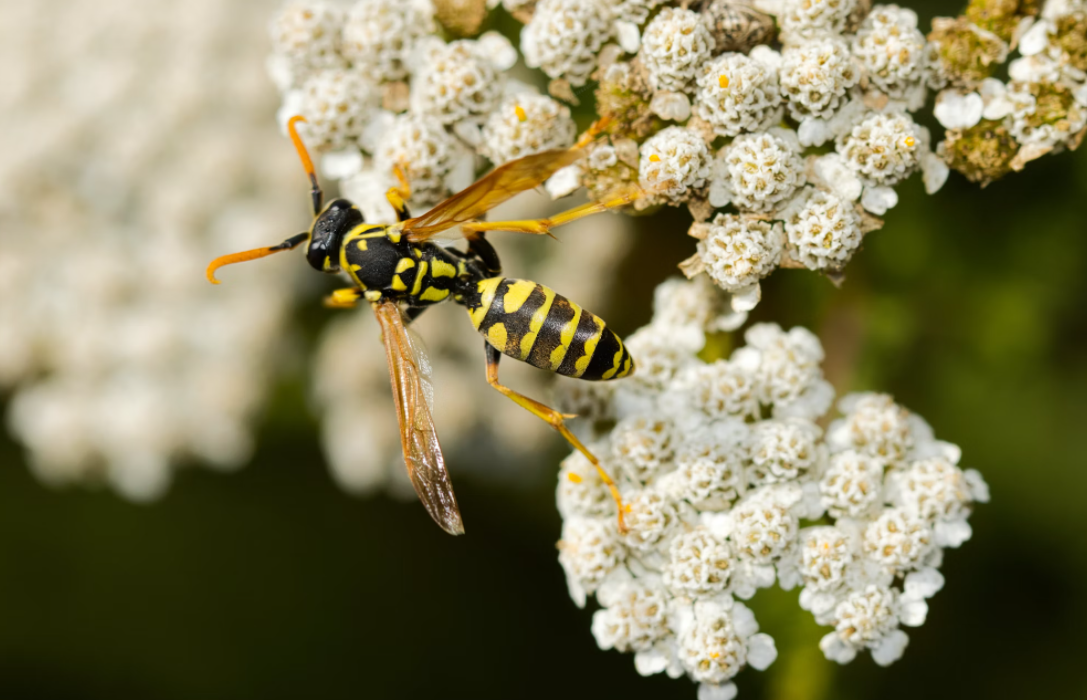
381,261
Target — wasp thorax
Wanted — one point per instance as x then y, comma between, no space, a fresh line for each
327,234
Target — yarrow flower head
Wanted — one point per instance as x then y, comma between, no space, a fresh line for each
763,169
893,53
737,94
823,230
883,148
816,77
673,161
379,37
814,18
526,124
717,496
564,37
675,45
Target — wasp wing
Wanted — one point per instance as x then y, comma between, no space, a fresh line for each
489,191
422,453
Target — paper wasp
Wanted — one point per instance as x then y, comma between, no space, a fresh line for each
396,266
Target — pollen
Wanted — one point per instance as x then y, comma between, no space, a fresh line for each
909,141
520,111
722,80
654,158
576,478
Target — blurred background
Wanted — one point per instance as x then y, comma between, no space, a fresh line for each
138,141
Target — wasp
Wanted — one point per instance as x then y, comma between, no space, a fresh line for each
401,273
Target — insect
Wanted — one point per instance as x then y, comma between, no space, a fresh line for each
401,273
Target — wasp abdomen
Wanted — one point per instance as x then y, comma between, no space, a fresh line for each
532,323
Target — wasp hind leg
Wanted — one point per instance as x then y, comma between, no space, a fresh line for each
555,420
544,226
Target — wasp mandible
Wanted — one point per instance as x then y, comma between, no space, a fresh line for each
401,273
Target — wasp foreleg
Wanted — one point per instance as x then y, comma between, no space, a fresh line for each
346,298
555,420
398,196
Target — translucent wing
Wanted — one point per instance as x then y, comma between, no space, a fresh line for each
422,453
490,191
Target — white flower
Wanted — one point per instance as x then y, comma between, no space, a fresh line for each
379,37
884,148
956,110
813,18
825,554
1064,115
739,251
455,81
763,169
852,485
642,447
782,450
897,540
672,162
425,152
650,516
875,425
710,648
336,104
588,551
581,491
763,527
788,362
737,94
709,467
526,124
635,616
307,32
699,564
823,230
674,47
564,37
634,11
816,76
892,52
721,389
866,619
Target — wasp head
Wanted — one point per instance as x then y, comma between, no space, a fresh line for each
326,236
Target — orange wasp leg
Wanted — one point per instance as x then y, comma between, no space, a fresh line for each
555,420
538,226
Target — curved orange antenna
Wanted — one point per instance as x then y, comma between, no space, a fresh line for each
307,162
254,254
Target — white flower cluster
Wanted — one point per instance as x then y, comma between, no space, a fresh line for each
380,91
122,362
842,74
1041,109
730,486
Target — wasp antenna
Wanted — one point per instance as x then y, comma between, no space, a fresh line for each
307,163
256,253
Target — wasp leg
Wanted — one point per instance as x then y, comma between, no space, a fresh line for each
538,226
399,196
555,420
346,298
479,246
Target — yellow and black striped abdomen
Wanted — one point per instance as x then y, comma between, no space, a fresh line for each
532,323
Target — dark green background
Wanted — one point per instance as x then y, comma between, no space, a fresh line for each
272,583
